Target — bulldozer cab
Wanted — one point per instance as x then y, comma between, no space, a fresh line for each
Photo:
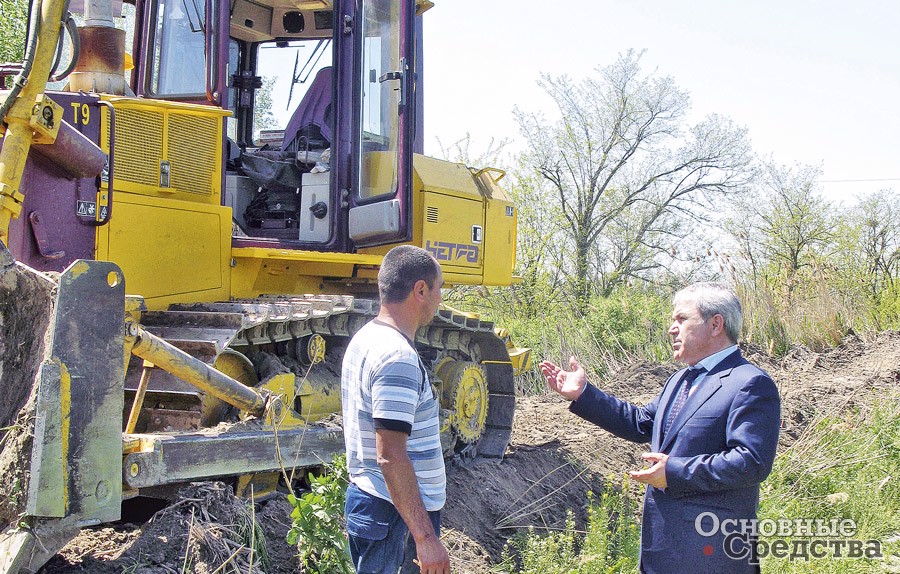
323,98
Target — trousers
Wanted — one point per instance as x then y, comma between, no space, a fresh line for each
377,532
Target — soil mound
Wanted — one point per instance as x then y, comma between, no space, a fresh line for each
207,529
26,308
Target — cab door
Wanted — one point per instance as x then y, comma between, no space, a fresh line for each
182,55
381,199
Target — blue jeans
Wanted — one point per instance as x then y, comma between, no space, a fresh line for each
377,532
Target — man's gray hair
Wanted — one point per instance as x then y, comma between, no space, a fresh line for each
714,299
401,268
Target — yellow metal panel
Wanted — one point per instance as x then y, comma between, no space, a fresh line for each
139,147
195,153
169,250
449,199
167,149
254,277
451,233
500,242
445,177
261,271
379,171
305,256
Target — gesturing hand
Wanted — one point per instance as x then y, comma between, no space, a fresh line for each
569,384
655,475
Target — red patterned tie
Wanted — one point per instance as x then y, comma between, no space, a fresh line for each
686,381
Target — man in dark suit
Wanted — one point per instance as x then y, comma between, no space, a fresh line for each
713,431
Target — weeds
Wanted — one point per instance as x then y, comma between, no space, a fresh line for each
318,522
609,546
843,467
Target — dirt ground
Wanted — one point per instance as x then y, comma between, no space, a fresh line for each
553,461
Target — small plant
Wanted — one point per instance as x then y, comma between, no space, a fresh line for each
610,545
318,527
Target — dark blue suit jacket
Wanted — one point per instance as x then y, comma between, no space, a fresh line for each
721,447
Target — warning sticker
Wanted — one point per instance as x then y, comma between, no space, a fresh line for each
86,209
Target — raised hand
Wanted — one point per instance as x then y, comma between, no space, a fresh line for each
569,384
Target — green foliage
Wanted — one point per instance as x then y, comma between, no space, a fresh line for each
629,324
318,522
816,315
631,320
609,546
841,468
13,19
886,308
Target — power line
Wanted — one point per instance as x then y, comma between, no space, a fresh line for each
857,180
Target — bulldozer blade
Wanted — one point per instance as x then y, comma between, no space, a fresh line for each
65,424
76,460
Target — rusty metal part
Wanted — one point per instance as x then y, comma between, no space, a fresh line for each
172,359
101,64
74,153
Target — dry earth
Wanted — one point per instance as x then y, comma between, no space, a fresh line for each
553,461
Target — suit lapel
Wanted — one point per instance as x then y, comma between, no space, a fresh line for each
711,383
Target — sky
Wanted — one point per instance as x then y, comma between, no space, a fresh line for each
815,82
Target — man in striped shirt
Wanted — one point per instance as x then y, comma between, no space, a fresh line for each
391,425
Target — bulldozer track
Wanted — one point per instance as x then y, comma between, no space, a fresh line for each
207,329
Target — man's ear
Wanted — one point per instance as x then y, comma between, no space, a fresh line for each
418,289
718,324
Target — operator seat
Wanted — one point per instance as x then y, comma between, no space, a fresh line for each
312,115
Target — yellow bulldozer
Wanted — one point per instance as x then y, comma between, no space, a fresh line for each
195,198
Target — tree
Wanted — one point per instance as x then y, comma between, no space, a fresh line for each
263,118
878,217
623,166
13,19
787,223
460,151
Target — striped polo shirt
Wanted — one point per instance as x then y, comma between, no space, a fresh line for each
384,385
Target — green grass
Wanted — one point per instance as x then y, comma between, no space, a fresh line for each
841,468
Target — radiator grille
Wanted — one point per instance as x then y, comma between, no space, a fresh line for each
431,214
192,148
138,148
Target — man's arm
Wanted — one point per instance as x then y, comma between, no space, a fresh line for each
390,447
621,418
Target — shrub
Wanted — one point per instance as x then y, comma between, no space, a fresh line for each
318,527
